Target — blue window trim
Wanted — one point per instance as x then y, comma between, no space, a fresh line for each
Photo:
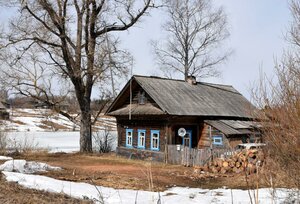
191,136
217,137
139,131
129,130
155,132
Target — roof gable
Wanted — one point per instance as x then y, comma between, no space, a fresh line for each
121,105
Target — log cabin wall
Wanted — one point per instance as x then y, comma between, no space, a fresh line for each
168,134
228,142
167,125
205,139
146,125
235,140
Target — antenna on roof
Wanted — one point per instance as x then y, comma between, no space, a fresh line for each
130,89
110,67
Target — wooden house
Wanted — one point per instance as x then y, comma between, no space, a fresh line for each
153,112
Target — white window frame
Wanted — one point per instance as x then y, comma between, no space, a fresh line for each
152,140
141,138
218,137
129,138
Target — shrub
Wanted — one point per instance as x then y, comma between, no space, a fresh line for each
103,141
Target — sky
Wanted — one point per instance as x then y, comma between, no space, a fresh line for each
257,29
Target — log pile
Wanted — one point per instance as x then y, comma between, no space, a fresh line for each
245,160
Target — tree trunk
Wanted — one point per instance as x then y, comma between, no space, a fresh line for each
86,130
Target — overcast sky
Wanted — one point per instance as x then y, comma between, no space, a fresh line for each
257,30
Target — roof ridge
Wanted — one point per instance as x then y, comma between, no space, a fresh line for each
158,77
213,85
163,78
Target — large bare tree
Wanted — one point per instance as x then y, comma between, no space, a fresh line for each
66,44
195,30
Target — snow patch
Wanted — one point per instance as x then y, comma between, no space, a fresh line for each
4,158
27,167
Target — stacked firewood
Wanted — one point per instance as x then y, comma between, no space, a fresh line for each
244,161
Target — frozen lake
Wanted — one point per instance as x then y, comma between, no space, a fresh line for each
53,141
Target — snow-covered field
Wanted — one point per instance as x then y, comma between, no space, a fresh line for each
42,128
52,141
170,196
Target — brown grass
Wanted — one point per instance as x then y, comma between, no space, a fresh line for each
51,124
45,127
118,172
18,122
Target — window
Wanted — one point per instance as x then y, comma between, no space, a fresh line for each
129,133
218,140
141,97
154,139
141,138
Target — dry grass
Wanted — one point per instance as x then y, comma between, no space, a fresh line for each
45,127
118,172
18,122
53,125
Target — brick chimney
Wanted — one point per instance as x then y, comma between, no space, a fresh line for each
191,80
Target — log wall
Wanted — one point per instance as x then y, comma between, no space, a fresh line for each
144,125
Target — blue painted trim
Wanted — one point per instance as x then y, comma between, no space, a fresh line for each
217,137
129,130
151,146
191,137
140,131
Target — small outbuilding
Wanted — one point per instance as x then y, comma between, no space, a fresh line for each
154,112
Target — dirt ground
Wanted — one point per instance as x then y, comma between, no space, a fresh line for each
114,171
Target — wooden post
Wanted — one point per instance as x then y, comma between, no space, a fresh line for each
211,145
167,140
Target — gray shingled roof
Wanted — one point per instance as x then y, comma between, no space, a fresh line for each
227,130
177,97
233,127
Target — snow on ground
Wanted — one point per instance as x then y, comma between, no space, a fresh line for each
43,128
173,195
53,141
47,120
27,167
4,158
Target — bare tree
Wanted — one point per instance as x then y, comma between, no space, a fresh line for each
62,42
195,31
279,101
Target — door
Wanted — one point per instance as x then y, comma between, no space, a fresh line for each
187,139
